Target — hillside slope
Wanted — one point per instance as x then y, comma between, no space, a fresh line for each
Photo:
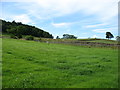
30,64
17,28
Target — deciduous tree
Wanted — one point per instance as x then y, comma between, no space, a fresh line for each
109,35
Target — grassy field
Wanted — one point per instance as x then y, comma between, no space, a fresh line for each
105,41
84,40
30,64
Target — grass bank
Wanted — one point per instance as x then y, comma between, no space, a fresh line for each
30,64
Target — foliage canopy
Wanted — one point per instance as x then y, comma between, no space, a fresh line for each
17,28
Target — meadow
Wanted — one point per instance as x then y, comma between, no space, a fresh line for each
30,64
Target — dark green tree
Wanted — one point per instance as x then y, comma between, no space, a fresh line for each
67,36
109,35
118,38
18,29
57,37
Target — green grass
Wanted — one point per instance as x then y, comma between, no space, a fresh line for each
105,41
29,64
83,40
0,62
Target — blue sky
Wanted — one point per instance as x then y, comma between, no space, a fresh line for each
82,18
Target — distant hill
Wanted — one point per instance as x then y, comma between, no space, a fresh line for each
23,29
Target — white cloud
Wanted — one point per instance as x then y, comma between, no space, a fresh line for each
105,30
99,30
94,36
18,0
61,24
97,25
104,9
23,18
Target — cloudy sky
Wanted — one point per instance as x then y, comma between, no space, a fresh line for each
82,18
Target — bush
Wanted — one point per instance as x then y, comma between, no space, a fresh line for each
16,36
19,36
39,39
29,38
13,36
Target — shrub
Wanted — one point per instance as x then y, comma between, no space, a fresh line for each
29,38
13,36
39,39
16,36
19,36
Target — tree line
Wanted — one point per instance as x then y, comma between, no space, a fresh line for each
18,29
67,36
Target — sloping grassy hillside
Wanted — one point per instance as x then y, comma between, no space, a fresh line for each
29,64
